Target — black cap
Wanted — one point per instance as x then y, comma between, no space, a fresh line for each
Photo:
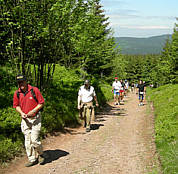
20,77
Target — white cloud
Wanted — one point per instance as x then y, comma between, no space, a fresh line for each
127,18
132,15
113,3
146,27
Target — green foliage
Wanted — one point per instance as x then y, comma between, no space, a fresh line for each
38,34
119,67
106,92
136,67
165,100
9,149
10,137
103,91
167,69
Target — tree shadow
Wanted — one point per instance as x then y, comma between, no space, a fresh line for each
99,118
52,155
122,114
72,132
110,110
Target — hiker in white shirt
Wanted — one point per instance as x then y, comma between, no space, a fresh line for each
86,95
116,87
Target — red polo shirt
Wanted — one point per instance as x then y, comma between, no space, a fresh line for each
26,101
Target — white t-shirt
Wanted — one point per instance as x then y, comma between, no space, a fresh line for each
86,95
117,85
127,85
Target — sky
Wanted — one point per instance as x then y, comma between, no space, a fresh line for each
141,18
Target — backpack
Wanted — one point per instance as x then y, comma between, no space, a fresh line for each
33,95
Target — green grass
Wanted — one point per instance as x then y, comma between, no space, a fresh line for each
165,101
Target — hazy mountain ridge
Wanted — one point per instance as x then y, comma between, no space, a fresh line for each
150,45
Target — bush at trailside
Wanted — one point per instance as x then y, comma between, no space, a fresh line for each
165,101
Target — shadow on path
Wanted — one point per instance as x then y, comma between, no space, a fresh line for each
110,110
95,126
52,155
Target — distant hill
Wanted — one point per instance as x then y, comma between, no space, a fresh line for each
150,45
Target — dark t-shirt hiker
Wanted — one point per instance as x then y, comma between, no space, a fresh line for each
141,90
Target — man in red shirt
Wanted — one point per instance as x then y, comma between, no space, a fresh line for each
28,101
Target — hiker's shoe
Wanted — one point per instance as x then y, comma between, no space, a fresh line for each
41,159
29,164
87,129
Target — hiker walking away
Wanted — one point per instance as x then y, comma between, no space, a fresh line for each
86,94
28,101
132,87
141,90
144,91
126,87
116,87
122,90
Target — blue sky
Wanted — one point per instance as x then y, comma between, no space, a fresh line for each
141,18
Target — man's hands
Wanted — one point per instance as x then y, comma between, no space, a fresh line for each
23,115
31,113
79,107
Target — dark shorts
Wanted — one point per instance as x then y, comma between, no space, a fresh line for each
141,95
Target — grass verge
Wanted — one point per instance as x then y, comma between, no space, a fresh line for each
165,102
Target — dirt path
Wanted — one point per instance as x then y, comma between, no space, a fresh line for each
121,142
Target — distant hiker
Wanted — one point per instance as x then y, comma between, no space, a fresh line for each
122,90
126,87
116,87
86,94
132,87
141,90
28,101
144,90
151,85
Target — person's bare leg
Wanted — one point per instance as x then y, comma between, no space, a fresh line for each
115,99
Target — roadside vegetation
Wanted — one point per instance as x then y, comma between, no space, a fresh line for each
165,102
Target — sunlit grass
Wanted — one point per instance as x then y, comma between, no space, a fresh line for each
165,100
